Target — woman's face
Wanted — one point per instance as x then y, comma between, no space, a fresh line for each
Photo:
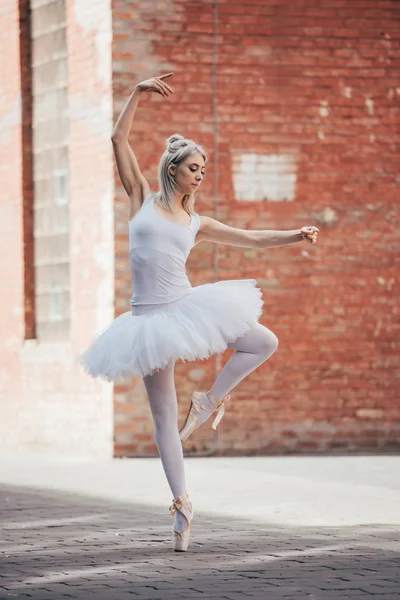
190,173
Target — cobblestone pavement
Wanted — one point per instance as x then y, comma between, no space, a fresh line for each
65,544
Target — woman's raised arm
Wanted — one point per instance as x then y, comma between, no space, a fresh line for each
131,177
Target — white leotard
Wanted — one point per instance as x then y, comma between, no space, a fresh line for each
158,250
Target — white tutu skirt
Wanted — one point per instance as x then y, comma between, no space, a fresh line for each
194,327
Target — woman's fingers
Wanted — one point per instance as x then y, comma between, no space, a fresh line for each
157,85
310,233
159,88
166,87
165,76
169,88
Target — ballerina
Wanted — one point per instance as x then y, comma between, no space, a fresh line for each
169,319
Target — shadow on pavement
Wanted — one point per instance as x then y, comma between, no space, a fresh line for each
61,545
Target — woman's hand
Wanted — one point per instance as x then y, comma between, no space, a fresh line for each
310,233
156,84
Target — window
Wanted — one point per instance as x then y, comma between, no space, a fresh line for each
50,169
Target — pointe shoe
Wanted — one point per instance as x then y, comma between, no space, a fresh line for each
181,538
193,418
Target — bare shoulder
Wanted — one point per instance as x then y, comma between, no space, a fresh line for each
204,228
203,220
206,223
137,197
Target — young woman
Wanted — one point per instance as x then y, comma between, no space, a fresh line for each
169,319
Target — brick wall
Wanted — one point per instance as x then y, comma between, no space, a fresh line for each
302,128
46,403
298,107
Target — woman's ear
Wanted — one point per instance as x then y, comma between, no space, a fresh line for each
171,170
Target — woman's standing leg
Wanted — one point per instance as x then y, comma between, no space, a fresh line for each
251,350
160,389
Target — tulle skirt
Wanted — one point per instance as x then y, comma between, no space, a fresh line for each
139,342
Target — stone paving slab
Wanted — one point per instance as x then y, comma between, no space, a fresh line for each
61,538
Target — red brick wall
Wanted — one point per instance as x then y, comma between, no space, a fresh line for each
317,82
310,94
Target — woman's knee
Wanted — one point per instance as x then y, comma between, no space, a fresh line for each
269,342
258,340
164,412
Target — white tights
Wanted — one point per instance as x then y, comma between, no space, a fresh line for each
251,350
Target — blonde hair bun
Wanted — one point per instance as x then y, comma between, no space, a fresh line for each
175,141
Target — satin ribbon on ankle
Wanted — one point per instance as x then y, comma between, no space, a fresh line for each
177,504
221,412
172,509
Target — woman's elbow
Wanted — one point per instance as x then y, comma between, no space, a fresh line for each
257,239
117,136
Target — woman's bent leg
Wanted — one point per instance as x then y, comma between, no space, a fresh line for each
251,350
160,389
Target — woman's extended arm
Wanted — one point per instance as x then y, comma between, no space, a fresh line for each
132,179
212,230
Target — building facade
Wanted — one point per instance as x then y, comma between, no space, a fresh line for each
298,107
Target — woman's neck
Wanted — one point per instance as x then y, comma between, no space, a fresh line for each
176,202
